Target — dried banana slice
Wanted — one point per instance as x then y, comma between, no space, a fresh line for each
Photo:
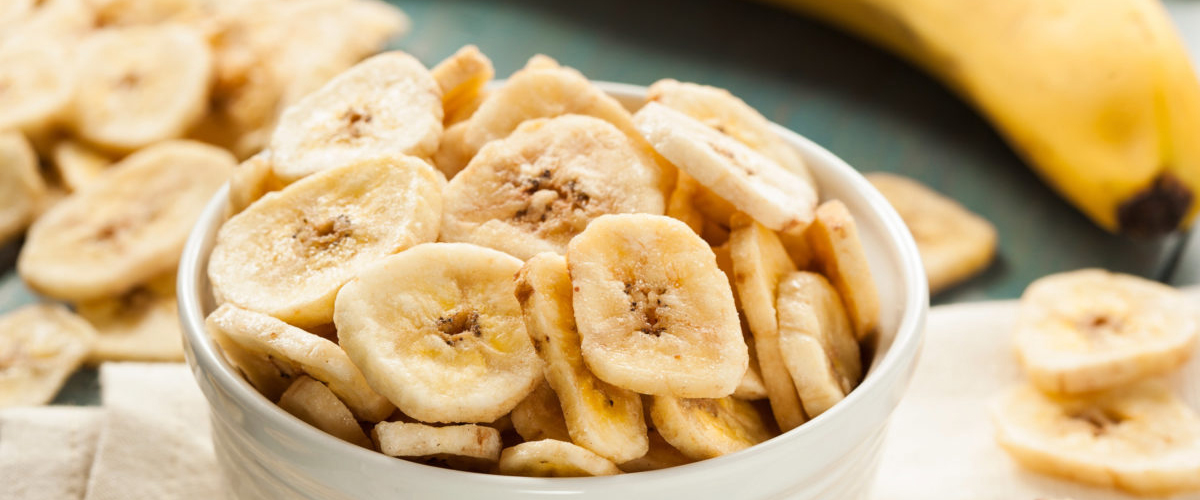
1140,438
462,77
269,376
386,105
753,183
140,325
1090,330
600,417
707,428
313,402
301,352
955,243
38,83
21,186
682,205
751,387
463,447
839,255
816,341
77,164
145,84
437,330
128,227
655,313
552,458
541,91
536,189
660,456
40,346
251,180
759,264
320,232
728,114
540,416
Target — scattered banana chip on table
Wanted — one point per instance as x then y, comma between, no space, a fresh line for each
126,229
518,294
40,346
955,244
21,188
1139,438
140,325
143,85
1095,346
1091,330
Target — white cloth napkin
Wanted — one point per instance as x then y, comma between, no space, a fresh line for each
941,443
155,441
45,453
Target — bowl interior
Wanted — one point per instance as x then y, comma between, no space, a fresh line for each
892,254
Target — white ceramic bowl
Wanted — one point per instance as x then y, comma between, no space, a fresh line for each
266,453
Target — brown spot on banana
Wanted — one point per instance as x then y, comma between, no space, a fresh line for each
1156,210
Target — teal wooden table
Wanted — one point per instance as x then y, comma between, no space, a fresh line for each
873,110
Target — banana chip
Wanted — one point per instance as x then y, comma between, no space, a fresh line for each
759,263
301,352
437,330
955,244
143,85
839,255
550,458
21,186
319,232
313,402
600,417
40,346
386,105
730,115
654,311
1140,438
1091,330
707,428
540,416
128,227
463,447
140,325
461,78
776,197
536,189
816,341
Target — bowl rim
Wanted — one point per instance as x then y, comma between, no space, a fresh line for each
205,359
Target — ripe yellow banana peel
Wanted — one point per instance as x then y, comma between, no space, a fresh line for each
1097,95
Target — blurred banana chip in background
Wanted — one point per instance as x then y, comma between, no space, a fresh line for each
119,119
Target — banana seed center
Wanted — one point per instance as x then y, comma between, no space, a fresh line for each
645,302
458,325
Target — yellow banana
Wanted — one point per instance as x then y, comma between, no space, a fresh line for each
1098,96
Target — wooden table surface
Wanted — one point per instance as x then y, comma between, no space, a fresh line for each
870,108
